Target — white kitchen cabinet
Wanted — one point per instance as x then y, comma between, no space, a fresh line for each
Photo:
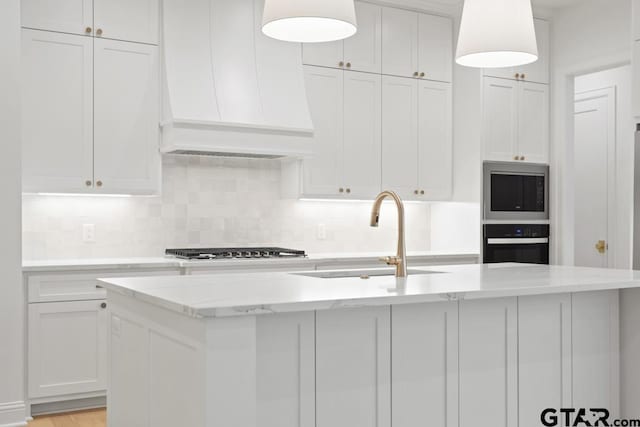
537,71
126,133
353,367
345,110
285,355
544,356
130,20
635,78
417,142
66,16
595,349
360,52
90,115
67,348
57,111
488,357
435,140
515,120
435,47
424,367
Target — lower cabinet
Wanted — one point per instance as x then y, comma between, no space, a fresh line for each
67,348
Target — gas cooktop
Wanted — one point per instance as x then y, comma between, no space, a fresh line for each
235,253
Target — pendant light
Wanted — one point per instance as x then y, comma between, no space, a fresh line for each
309,21
496,33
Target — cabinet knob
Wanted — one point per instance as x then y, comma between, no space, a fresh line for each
516,158
416,74
517,75
340,64
99,183
99,31
341,190
521,157
523,76
87,183
88,30
348,190
416,192
422,192
421,74
348,64
103,305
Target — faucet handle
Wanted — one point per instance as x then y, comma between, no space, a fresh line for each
391,260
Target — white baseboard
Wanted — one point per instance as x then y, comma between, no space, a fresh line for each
13,414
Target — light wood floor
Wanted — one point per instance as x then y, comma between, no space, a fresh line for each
93,418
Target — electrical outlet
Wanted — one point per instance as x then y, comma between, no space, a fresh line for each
321,232
88,233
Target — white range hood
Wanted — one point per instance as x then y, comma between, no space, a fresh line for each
229,89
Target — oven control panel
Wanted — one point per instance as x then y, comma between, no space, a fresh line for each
516,230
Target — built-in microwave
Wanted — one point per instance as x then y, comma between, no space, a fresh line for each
515,191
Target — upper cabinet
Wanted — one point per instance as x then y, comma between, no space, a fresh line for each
538,71
361,52
416,45
131,20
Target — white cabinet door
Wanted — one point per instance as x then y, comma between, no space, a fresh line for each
330,54
126,124
539,71
67,348
424,367
435,47
635,79
595,351
323,171
399,42
57,112
533,122
66,16
544,356
435,140
285,346
488,363
400,136
363,51
500,118
130,20
362,134
353,364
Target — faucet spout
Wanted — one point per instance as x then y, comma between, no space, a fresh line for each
400,260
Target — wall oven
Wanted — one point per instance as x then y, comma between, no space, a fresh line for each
526,243
515,191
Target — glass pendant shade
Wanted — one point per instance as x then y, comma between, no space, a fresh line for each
309,21
496,33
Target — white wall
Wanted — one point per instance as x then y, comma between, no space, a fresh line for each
12,410
455,227
589,36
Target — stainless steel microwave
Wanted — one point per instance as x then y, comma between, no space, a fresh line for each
515,191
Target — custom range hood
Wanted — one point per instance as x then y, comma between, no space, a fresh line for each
229,89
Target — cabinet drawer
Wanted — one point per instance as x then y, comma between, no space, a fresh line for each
77,286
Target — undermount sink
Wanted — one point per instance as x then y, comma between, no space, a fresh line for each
364,274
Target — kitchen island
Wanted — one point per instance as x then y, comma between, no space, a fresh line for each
466,345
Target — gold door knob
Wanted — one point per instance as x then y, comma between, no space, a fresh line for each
99,31
601,246
421,74
341,190
88,30
340,64
416,74
422,192
87,183
99,183
517,75
348,64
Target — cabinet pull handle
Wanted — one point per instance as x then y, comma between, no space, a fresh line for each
88,183
516,158
103,305
416,74
348,64
421,74
99,183
99,31
348,190
416,192
340,64
521,157
88,30
422,192
517,76
523,77
99,287
341,190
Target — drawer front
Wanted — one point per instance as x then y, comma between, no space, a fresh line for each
54,287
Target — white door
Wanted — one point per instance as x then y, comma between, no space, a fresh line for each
424,368
67,348
594,150
538,71
363,50
353,367
399,42
362,134
323,170
435,140
435,47
126,134
65,16
400,136
129,20
533,122
544,356
57,112
500,118
488,349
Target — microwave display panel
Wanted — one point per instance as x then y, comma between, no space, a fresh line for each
517,193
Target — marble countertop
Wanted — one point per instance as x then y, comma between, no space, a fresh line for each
170,262
260,293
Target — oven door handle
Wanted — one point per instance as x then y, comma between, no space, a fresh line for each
518,241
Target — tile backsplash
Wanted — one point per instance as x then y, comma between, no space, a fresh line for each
211,202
